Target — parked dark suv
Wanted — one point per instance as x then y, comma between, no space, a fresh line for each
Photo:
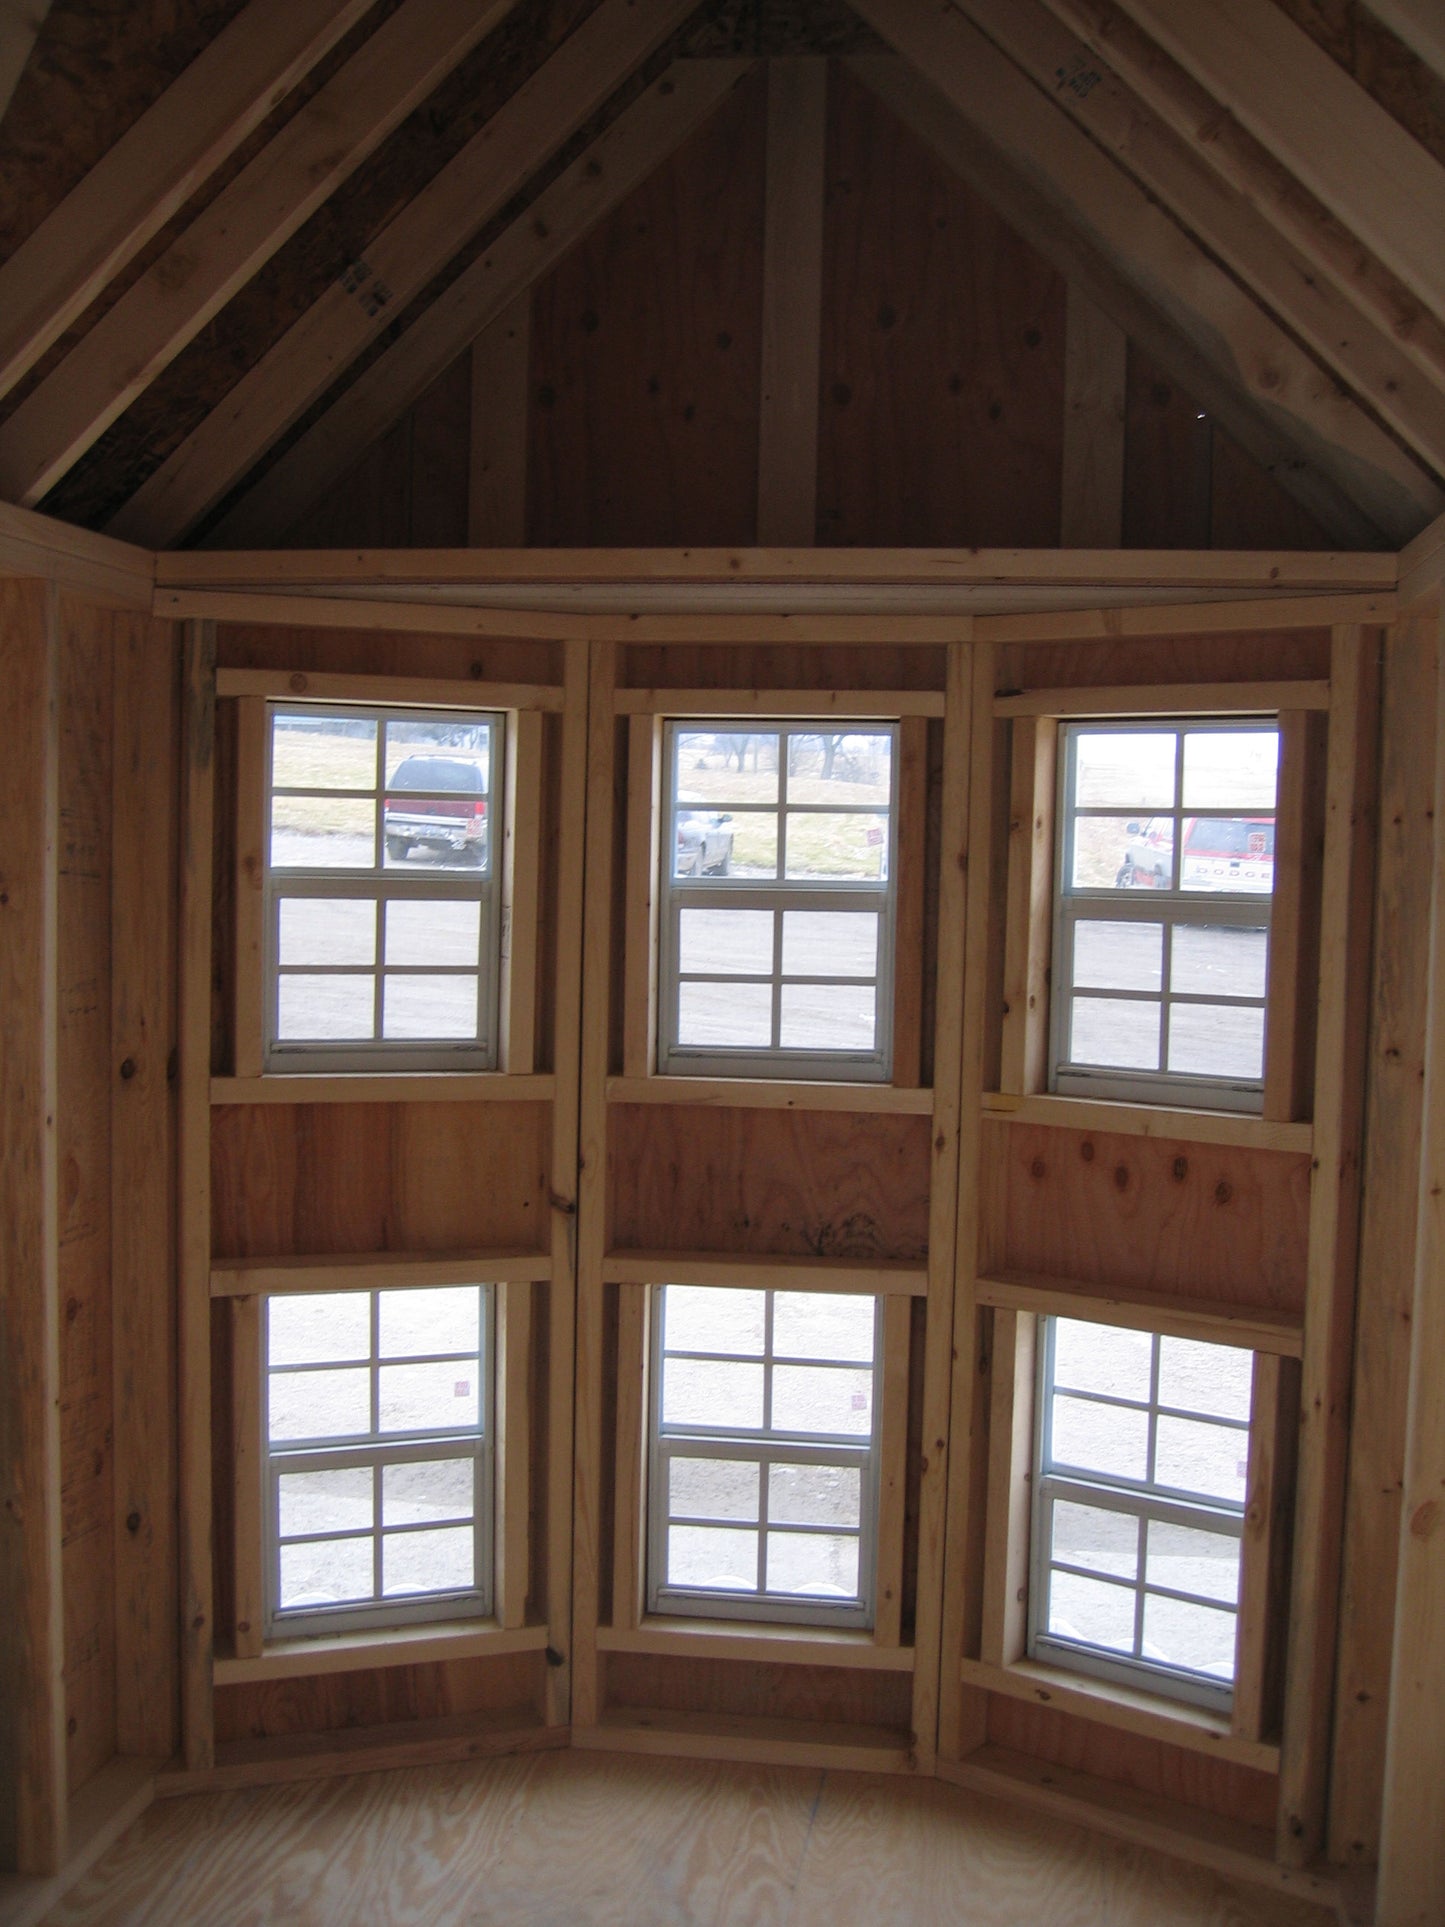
454,820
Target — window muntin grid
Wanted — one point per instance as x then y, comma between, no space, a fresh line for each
381,913
1165,880
762,1488
1142,1453
378,1457
778,903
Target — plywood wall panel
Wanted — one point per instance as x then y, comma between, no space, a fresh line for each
646,354
872,665
330,1701
941,414
1211,1220
769,1182
858,1697
385,652
1283,654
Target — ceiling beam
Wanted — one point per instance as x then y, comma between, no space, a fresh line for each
636,143
393,72
1363,355
155,167
399,262
1181,280
1420,24
1317,120
20,24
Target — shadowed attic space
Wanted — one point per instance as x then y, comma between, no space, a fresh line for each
346,279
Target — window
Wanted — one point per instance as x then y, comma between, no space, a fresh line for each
382,918
1142,1454
777,931
762,1494
1162,932
378,1447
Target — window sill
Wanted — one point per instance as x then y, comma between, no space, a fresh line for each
771,1094
383,1087
372,1650
765,1644
1173,1722
1151,1120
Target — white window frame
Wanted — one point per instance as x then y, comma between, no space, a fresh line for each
1173,908
377,1450
778,895
380,885
1143,1500
765,1446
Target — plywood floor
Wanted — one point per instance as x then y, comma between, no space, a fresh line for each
580,1838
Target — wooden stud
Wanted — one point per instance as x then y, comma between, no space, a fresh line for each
513,1536
909,906
707,1639
497,486
629,1510
644,858
1264,1549
892,1470
1029,902
521,893
248,1531
1010,1486
1333,1226
250,1040
198,732
1091,513
792,301
1286,1060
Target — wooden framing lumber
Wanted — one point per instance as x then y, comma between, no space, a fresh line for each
637,142
1096,354
155,167
1353,458
96,566
1010,1471
410,53
497,469
1214,1321
248,1602
878,1278
374,1271
792,301
514,1452
20,24
521,892
892,1472
493,166
1029,905
1419,24
644,856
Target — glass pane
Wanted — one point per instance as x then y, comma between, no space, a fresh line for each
430,1319
717,1557
726,941
1118,956
712,1489
713,1318
1125,768
318,1327
1215,1379
442,1561
444,1007
1217,1040
436,833
429,1398
825,845
322,833
322,752
824,1324
324,1009
820,1565
1123,853
1091,1610
727,766
822,1398
326,930
319,1405
1096,1537
1200,1638
1214,959
1114,1032
829,943
433,933
815,1495
1186,1560
725,1016
326,1572
1230,769
1111,1439
840,767
440,755
1192,1456
828,1017
427,1489
1228,853
705,842
1102,1358
702,1392
335,1501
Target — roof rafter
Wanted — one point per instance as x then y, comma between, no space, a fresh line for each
1367,359
1420,24
1343,456
393,72
154,168
637,142
20,24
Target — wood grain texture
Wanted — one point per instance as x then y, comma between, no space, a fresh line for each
792,301
386,1696
297,649
497,470
1095,379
